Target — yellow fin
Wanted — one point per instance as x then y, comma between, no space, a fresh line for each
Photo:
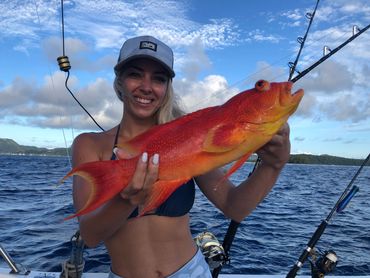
233,168
236,165
223,138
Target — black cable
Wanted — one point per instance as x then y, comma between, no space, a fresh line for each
87,112
62,9
65,66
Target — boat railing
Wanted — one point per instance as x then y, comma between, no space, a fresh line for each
15,268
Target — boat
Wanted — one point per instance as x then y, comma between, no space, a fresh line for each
18,271
4,273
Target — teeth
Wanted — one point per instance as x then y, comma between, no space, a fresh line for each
143,100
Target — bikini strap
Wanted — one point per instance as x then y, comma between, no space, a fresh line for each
113,157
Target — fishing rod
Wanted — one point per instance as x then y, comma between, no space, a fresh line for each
302,41
232,229
340,205
331,52
234,225
346,196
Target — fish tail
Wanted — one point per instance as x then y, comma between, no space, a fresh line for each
106,178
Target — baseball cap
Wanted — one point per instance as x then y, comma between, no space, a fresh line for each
145,47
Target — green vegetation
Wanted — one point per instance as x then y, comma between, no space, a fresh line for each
9,146
323,159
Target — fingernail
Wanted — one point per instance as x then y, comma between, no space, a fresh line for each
155,159
144,157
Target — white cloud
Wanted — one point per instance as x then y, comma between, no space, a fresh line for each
80,54
260,35
212,90
337,90
346,107
50,105
329,77
166,20
294,17
193,61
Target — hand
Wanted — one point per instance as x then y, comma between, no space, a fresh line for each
276,152
146,174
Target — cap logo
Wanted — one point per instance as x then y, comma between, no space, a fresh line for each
148,45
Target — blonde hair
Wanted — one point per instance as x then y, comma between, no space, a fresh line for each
170,108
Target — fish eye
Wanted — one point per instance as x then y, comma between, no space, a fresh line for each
262,85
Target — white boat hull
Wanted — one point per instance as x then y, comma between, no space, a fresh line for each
4,273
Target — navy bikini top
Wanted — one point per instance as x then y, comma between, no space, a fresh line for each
178,204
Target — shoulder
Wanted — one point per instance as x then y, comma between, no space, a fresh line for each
85,148
91,146
85,141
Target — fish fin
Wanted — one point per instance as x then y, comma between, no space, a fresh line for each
223,138
106,178
159,194
236,165
233,168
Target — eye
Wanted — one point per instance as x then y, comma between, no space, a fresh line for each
262,85
133,74
160,78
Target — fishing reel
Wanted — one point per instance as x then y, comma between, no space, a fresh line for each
212,250
73,267
323,263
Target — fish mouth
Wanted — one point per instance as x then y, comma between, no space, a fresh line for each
297,96
287,98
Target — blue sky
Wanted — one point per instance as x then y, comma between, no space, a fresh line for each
221,47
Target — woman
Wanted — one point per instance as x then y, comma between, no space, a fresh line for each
159,244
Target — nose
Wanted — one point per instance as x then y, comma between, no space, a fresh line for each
146,84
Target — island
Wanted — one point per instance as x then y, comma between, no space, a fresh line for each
10,147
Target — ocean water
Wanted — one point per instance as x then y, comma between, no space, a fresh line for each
269,241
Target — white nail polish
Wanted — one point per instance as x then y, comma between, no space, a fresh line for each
144,157
155,159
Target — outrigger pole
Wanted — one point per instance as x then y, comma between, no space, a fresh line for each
332,52
233,226
302,41
341,204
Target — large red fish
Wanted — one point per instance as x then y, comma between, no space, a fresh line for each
195,144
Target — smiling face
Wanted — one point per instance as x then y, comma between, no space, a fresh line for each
144,83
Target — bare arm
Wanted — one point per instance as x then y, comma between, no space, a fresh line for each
237,202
